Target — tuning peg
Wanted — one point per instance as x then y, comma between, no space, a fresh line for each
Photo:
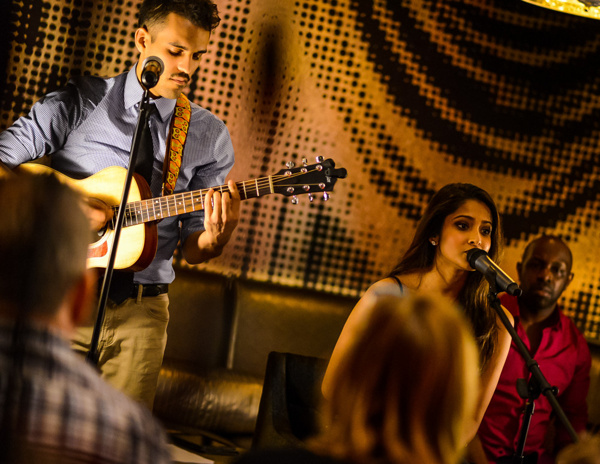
290,164
310,197
319,159
325,196
294,200
306,188
304,162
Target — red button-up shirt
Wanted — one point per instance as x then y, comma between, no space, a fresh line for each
564,359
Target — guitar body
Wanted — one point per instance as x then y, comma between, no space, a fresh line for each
137,243
139,238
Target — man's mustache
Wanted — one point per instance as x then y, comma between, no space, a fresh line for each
544,288
185,76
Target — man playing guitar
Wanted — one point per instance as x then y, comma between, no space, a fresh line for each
88,126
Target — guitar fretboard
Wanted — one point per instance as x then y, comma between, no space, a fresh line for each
153,209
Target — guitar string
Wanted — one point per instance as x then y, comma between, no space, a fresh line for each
190,198
262,182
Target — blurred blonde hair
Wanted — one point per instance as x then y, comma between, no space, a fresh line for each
407,383
585,451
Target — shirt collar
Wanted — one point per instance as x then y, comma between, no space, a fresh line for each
512,304
134,92
554,319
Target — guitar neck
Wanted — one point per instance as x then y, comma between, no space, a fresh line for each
153,209
320,177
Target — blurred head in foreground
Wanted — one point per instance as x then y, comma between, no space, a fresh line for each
585,451
405,387
43,244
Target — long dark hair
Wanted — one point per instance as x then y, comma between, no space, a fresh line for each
420,256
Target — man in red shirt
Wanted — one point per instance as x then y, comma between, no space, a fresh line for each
557,346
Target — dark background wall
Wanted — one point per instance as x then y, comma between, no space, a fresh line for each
407,95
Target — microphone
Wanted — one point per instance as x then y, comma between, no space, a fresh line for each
480,261
152,68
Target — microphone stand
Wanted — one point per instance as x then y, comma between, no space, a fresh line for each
93,355
537,383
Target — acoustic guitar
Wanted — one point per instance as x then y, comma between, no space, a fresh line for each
139,238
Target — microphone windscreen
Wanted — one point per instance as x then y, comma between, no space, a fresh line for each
152,68
473,255
156,62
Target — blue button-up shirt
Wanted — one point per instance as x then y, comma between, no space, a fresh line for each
88,126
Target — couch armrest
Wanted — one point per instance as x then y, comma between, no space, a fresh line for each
220,400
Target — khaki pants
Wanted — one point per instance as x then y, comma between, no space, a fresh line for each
131,345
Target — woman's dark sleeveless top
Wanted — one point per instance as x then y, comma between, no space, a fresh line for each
399,283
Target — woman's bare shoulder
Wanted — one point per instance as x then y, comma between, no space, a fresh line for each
387,286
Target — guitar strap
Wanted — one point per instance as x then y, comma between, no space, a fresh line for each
180,124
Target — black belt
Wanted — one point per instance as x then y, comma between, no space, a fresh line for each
122,287
149,289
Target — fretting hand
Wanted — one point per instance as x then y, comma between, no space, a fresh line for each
97,212
221,215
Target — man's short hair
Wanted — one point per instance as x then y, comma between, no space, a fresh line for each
43,242
530,245
202,13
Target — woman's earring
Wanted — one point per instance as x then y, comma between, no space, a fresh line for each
433,242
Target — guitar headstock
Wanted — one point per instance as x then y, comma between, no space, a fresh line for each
309,179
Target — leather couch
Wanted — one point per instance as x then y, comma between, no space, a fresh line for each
221,332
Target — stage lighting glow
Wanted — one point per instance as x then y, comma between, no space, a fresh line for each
586,8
